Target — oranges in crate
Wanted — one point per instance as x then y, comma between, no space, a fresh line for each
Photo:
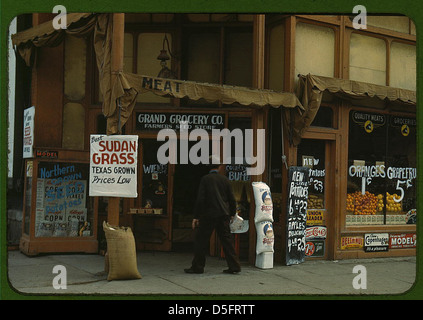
363,204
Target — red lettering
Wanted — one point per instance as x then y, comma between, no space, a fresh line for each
131,159
116,146
96,158
114,159
122,157
102,147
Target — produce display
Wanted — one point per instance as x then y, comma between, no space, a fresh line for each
391,204
315,202
370,204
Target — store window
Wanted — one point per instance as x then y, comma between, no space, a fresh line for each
148,48
381,186
323,118
237,173
218,56
75,59
367,59
63,208
314,50
403,57
154,180
277,58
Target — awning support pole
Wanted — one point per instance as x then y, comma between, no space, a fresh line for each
117,66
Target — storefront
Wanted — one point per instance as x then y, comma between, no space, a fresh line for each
361,152
357,139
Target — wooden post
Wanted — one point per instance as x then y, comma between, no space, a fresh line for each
117,65
259,116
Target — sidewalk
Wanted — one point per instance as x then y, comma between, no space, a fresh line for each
162,274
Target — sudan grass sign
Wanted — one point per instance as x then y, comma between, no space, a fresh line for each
113,165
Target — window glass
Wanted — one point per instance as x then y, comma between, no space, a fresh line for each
73,126
239,52
277,58
403,57
323,118
381,169
63,208
203,57
75,67
154,180
314,50
367,59
149,46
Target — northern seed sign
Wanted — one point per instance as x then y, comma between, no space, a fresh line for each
113,165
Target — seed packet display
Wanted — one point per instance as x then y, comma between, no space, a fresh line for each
265,237
263,201
45,229
73,227
60,229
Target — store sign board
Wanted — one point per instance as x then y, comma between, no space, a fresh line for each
318,232
315,217
296,214
315,248
156,121
376,242
113,165
403,240
45,154
28,133
351,242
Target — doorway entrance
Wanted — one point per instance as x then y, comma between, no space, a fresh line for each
185,186
318,156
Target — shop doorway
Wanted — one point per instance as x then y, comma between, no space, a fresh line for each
318,156
186,180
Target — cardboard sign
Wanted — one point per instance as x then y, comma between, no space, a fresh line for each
113,166
298,180
28,134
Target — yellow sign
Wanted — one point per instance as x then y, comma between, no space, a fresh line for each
355,242
405,130
315,217
368,126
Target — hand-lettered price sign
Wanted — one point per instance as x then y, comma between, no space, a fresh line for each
296,215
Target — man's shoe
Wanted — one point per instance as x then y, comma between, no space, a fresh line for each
191,270
230,271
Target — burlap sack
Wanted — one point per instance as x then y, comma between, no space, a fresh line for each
121,253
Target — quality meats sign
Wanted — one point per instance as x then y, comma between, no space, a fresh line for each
113,166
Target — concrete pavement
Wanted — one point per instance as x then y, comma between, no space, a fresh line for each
162,274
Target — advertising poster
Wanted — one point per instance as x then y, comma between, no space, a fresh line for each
376,242
113,166
28,134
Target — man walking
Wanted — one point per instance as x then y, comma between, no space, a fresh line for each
214,209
